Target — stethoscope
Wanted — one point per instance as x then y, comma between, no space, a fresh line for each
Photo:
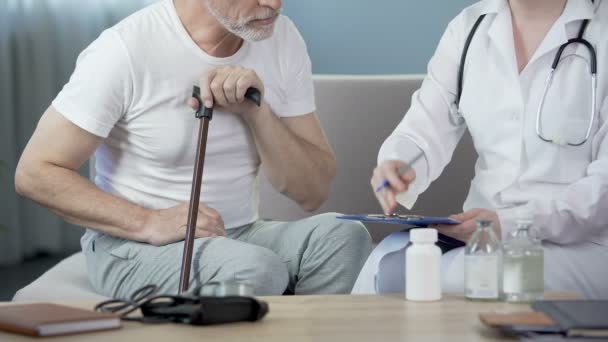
457,119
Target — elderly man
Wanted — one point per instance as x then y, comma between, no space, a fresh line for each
128,101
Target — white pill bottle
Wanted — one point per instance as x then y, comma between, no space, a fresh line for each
423,266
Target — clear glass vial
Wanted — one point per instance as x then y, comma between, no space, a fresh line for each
523,271
483,259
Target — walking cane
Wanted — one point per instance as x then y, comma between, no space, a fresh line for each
252,94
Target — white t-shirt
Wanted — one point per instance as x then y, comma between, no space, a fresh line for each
131,87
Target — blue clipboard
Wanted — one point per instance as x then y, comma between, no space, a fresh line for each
408,220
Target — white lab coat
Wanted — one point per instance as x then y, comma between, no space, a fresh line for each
566,188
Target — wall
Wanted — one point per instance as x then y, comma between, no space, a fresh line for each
369,37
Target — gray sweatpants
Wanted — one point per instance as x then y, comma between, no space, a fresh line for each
316,255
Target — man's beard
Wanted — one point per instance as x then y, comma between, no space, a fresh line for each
241,28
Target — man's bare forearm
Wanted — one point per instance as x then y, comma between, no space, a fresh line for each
298,168
79,201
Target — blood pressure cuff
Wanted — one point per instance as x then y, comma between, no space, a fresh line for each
204,310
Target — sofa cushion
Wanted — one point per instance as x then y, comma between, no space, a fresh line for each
65,281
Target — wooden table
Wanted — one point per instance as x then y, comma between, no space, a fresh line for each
327,318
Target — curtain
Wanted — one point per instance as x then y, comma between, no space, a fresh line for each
39,43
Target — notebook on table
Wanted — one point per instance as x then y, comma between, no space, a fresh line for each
42,319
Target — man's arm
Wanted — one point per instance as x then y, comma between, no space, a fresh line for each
296,156
48,174
295,153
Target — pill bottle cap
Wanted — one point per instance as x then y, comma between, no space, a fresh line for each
423,235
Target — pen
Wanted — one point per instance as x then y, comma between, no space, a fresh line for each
403,169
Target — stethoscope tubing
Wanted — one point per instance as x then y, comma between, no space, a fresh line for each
456,118
593,83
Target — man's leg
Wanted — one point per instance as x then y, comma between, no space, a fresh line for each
118,267
323,254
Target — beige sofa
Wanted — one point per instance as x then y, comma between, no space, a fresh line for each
357,113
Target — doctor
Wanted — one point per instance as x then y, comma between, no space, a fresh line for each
542,151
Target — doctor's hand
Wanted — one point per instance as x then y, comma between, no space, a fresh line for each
166,226
225,89
465,230
389,171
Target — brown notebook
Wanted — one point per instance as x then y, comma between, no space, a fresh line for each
51,320
532,319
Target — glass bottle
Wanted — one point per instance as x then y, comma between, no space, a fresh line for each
483,259
523,279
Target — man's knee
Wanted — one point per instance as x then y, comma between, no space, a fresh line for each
352,232
264,270
342,247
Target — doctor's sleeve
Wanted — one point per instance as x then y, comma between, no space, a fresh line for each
580,212
426,127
